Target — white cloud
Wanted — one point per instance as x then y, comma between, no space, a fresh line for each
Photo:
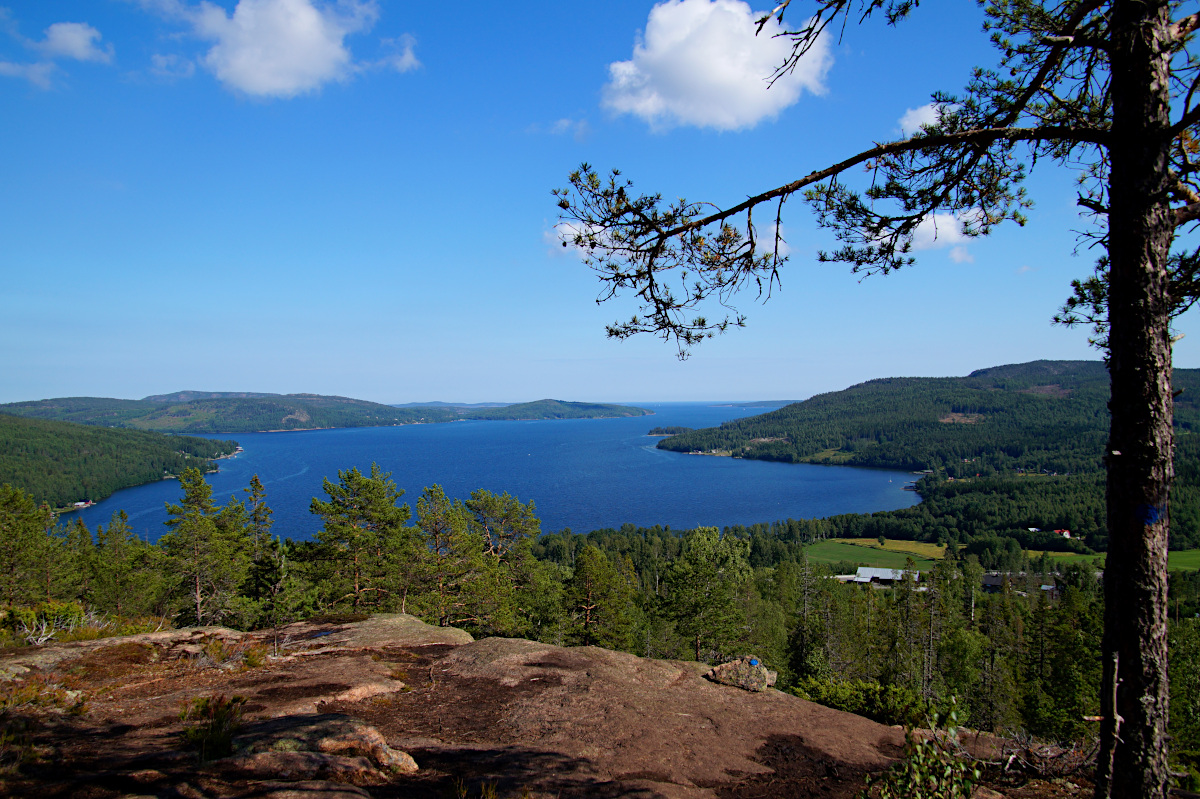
40,75
76,40
700,63
941,230
916,118
281,48
63,40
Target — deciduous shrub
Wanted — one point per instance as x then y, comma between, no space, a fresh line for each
934,766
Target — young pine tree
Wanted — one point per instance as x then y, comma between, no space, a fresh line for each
206,549
364,537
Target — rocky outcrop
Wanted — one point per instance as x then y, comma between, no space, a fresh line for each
747,672
348,710
333,735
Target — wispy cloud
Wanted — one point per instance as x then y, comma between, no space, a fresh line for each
578,129
40,74
403,57
700,63
171,66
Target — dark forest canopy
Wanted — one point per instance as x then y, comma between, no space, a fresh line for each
246,412
61,462
669,430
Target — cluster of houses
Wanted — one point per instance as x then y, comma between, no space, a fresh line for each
1063,533
992,583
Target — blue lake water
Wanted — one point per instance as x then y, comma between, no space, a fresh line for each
583,474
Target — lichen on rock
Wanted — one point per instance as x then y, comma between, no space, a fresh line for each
747,672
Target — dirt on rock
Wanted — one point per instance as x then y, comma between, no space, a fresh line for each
509,715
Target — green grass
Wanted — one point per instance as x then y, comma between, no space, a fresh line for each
1183,559
834,550
918,549
867,552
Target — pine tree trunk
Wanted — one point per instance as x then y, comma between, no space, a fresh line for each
1132,759
197,597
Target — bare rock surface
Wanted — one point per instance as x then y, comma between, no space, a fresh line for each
333,734
391,707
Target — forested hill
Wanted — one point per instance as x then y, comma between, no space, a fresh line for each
61,462
230,413
557,409
1044,416
245,412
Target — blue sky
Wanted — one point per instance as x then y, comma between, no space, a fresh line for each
354,198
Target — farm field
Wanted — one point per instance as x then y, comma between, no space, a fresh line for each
1181,560
894,552
867,552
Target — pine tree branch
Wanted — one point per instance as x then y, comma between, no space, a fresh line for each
982,136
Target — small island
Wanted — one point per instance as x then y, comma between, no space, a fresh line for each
671,430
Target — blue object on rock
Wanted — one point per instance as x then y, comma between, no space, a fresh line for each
753,661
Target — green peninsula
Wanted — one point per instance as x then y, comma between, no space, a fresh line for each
1012,451
62,463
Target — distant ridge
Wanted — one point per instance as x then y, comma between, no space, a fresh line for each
438,404
558,409
1042,416
249,412
227,412
191,396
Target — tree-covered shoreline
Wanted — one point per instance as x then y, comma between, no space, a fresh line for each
1006,449
62,463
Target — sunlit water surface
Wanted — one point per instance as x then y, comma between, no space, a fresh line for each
583,474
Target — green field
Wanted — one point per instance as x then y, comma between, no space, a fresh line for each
1182,560
867,553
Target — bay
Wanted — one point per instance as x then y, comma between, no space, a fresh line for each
582,474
